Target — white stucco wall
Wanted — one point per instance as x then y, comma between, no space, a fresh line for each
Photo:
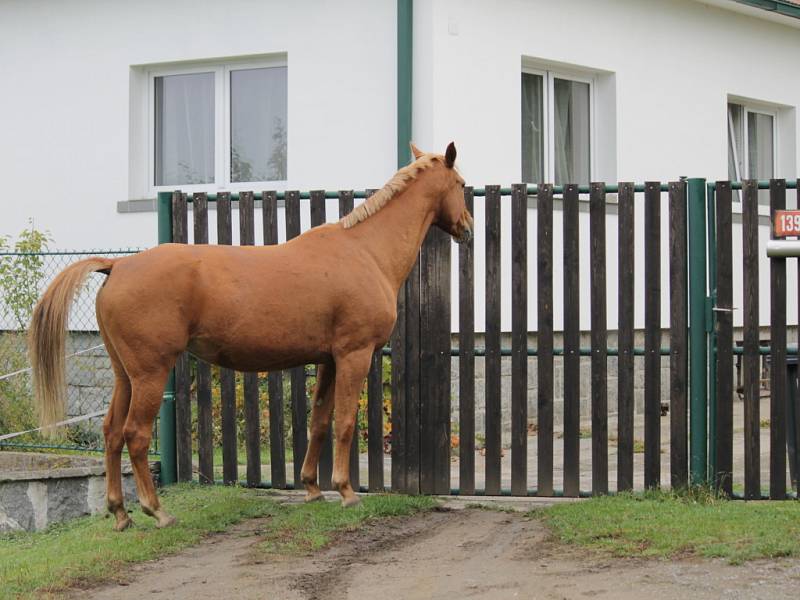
674,65
64,113
667,68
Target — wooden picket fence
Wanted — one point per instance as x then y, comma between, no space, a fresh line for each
420,350
784,426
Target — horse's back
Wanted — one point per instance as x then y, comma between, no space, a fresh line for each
230,304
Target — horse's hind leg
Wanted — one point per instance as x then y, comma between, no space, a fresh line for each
321,409
351,369
112,430
146,393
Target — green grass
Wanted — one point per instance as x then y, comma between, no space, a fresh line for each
665,524
308,527
87,551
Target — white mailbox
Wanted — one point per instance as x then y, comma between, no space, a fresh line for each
783,248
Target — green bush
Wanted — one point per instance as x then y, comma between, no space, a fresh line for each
21,276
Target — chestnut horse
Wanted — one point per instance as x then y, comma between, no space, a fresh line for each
326,297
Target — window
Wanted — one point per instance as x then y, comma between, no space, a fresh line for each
184,129
217,126
556,128
751,144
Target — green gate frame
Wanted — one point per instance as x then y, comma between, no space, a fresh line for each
166,416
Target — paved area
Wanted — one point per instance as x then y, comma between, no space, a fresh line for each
586,453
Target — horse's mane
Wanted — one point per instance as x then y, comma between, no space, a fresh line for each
394,186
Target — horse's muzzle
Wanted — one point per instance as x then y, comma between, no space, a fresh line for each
465,236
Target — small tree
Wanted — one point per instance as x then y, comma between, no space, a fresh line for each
21,275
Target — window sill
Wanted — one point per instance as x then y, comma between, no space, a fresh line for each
137,206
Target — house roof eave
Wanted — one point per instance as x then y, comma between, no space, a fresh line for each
778,11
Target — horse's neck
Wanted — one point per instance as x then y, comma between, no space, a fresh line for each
394,234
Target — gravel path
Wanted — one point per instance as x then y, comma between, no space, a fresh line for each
454,554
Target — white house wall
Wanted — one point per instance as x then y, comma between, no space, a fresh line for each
674,64
668,68
65,127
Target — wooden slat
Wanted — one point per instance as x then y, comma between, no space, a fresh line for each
443,320
374,424
399,394
345,207
277,434
252,412
435,363
723,478
777,370
411,423
183,406
652,334
797,383
519,339
599,360
466,359
751,372
792,426
297,374
325,469
572,340
493,364
180,219
544,337
625,398
679,349
227,378
405,387
205,432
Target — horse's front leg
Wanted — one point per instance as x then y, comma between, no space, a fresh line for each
351,369
321,409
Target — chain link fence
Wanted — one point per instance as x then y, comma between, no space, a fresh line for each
23,278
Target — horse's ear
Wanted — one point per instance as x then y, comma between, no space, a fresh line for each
415,151
450,155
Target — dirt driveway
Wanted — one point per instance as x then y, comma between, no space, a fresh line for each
467,553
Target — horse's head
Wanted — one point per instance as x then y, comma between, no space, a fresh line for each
452,215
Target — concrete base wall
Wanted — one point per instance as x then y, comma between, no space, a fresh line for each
33,499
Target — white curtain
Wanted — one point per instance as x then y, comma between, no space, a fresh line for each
760,142
760,155
532,129
184,123
571,135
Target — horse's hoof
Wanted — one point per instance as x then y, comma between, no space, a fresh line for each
123,524
165,520
318,497
351,501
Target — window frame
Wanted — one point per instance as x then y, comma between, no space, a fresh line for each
222,125
761,109
548,89
749,106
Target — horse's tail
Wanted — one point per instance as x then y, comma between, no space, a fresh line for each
46,337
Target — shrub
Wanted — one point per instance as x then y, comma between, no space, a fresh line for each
21,275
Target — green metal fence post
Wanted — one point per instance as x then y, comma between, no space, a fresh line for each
698,347
166,416
405,40
711,330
